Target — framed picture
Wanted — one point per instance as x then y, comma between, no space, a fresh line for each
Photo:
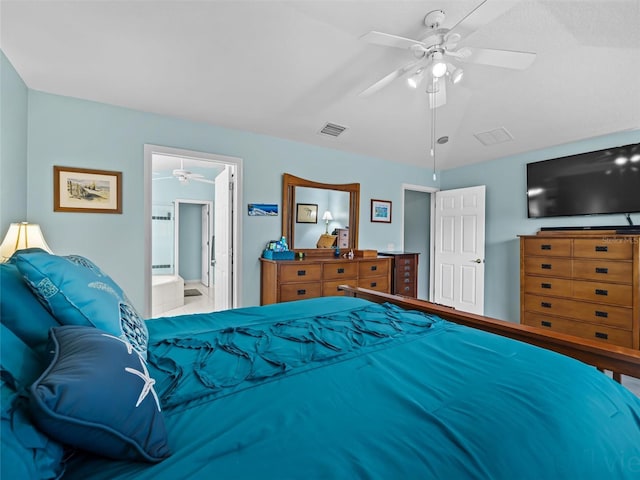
306,213
380,211
86,191
262,209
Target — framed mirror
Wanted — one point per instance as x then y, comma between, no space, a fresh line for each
314,212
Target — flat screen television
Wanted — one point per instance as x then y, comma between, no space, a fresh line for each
602,182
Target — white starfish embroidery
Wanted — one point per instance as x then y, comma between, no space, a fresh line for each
148,383
128,345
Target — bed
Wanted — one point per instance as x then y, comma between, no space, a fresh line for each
365,385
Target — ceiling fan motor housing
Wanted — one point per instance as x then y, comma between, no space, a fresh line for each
434,18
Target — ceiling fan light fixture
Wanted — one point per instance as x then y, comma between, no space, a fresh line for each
456,75
415,79
438,67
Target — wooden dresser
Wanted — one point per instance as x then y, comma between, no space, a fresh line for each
404,273
584,283
286,280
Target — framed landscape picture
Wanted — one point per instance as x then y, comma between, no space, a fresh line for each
380,211
84,190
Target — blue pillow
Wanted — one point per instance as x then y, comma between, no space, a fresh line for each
97,395
18,360
21,311
77,292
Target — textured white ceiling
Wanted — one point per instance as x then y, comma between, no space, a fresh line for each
286,68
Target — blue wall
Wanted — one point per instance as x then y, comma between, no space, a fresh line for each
13,147
506,215
78,133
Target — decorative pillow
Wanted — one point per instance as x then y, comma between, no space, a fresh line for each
26,451
77,292
21,311
97,395
18,360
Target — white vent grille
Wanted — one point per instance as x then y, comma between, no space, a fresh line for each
332,129
492,137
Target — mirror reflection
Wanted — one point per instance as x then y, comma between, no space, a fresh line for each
320,212
318,216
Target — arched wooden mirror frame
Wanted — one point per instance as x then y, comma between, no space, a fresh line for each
289,184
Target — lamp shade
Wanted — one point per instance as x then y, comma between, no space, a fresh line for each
20,236
327,215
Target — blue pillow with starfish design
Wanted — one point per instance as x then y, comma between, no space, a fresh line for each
97,395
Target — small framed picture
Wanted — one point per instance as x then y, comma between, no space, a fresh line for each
262,209
86,191
380,211
306,213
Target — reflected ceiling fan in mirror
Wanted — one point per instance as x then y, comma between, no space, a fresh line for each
437,56
184,176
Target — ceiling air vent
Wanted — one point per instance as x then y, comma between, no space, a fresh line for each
332,129
492,137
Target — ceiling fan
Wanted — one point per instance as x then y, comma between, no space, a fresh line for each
184,176
436,56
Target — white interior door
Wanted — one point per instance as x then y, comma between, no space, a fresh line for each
205,247
459,248
223,239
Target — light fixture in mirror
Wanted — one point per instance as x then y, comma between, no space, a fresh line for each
341,200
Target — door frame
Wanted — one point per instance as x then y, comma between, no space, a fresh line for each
431,191
149,151
176,231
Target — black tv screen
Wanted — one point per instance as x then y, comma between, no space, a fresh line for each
606,181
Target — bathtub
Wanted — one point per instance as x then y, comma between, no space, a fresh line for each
167,293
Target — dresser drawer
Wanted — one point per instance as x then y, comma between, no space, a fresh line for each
549,247
331,288
606,248
603,270
603,333
549,266
582,311
548,286
612,293
300,291
338,270
373,268
380,283
302,272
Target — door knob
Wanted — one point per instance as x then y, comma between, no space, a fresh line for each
477,260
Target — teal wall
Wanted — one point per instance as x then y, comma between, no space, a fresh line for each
78,133
506,215
13,147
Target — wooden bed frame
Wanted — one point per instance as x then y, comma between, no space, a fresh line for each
618,360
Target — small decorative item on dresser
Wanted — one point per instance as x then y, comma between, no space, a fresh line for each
380,211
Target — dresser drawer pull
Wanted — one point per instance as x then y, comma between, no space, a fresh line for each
545,285
545,246
602,314
341,270
602,248
302,291
545,323
406,289
407,268
407,280
545,266
545,304
374,284
602,270
602,292
374,268
604,336
407,262
407,274
302,273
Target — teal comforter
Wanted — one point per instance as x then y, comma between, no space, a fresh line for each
341,388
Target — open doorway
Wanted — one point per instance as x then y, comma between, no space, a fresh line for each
185,212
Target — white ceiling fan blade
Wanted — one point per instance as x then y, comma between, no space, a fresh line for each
386,80
194,175
388,40
500,58
163,178
437,92
484,13
203,180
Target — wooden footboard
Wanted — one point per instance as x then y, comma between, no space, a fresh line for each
619,360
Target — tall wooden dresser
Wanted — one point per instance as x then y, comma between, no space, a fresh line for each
287,280
584,283
404,273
